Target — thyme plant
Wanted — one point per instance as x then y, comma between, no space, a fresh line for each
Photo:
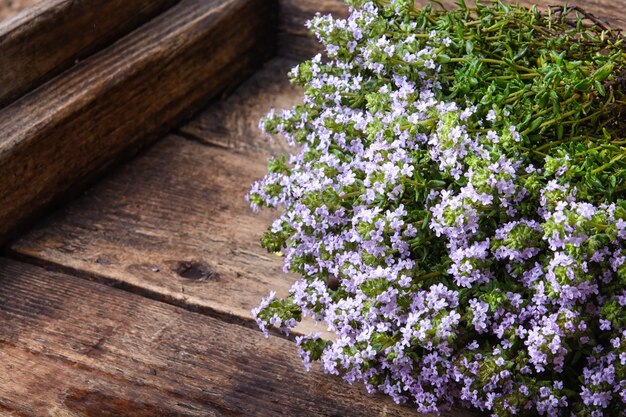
455,207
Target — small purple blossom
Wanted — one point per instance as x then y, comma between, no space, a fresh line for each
452,265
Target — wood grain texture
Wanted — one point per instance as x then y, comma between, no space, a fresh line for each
173,225
234,121
295,41
52,35
9,8
69,347
56,139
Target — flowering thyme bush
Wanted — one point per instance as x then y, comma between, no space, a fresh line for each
454,207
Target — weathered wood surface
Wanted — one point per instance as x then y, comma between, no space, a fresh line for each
51,36
9,8
62,135
69,347
294,40
173,225
234,121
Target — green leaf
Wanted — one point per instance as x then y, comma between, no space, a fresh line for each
436,184
520,53
443,59
560,131
603,72
600,88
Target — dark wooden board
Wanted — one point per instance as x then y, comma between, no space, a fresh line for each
69,347
52,35
234,121
56,139
295,42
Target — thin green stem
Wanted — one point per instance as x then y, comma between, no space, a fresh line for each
609,164
433,274
496,62
414,183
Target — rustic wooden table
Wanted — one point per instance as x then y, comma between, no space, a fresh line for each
134,299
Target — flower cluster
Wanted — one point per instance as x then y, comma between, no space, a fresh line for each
453,208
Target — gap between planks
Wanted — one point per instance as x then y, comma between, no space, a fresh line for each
233,122
155,294
29,43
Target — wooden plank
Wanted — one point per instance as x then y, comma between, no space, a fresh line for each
52,35
174,225
69,347
233,122
9,8
55,140
295,41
